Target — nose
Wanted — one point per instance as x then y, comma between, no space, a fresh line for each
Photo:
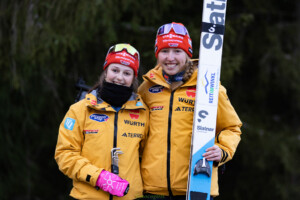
119,76
170,55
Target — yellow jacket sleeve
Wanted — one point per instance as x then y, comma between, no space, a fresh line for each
69,145
228,127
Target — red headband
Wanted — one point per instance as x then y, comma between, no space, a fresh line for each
123,58
173,35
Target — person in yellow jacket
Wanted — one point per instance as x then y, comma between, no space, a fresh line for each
101,136
169,92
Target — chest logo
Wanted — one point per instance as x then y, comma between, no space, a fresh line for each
99,117
156,89
134,114
157,108
92,131
191,92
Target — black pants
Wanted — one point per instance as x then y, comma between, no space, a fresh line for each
148,196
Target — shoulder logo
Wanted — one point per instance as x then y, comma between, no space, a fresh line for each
99,117
139,103
191,92
69,123
151,75
156,89
93,102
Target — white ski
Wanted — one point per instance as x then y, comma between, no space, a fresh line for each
206,103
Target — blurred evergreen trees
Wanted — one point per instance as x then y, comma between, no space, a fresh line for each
47,45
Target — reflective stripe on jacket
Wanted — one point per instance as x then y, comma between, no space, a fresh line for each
88,132
165,161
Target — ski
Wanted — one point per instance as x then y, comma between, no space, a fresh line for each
206,102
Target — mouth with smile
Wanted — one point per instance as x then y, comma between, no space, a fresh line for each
170,65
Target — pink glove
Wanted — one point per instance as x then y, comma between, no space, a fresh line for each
112,183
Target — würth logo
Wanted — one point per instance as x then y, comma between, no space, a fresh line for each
191,92
134,114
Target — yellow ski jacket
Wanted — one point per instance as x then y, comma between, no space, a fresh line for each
165,160
88,132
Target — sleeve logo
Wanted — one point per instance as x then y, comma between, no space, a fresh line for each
69,123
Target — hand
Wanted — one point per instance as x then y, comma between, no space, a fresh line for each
112,183
213,153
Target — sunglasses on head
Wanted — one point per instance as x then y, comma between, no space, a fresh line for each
120,47
178,29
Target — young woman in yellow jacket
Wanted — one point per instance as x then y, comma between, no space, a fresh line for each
101,136
169,92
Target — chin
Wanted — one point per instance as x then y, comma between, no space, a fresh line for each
171,73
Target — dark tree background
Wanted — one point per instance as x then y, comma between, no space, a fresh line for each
46,45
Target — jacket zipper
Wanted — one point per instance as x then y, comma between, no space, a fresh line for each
169,143
115,140
115,130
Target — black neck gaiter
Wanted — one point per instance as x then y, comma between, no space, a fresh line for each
115,95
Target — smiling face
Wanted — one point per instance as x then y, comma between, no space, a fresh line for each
119,74
172,60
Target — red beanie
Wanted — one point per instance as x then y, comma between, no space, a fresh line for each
173,35
123,57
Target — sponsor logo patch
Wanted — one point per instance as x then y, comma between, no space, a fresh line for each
191,92
134,123
69,123
124,62
132,135
92,131
173,44
139,103
134,114
188,101
185,109
156,89
151,75
99,117
93,102
173,36
157,108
